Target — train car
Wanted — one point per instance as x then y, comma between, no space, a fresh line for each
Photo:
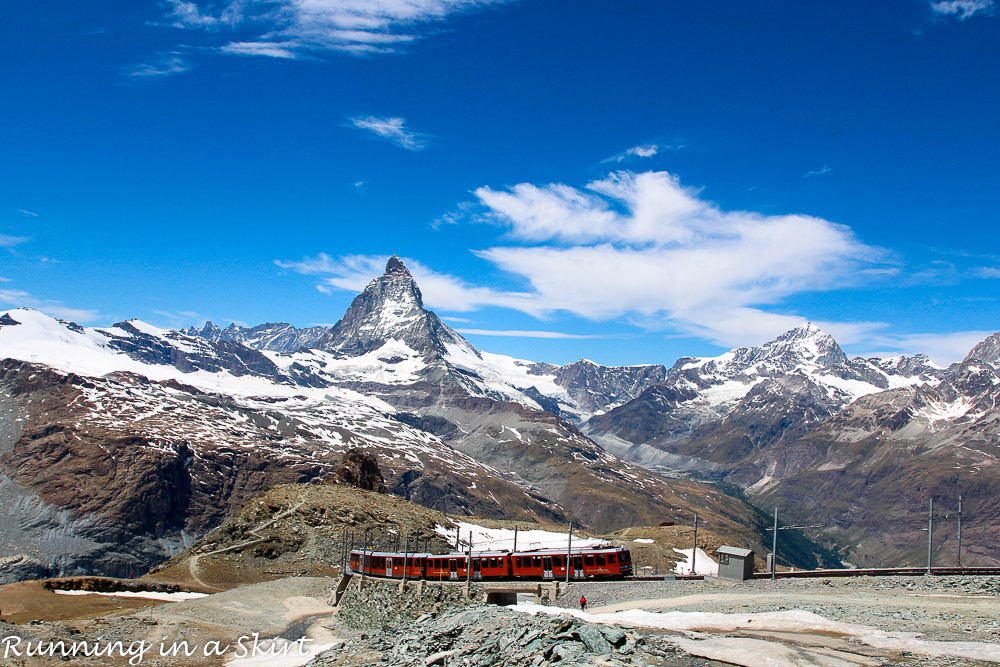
608,562
611,562
388,564
455,566
447,567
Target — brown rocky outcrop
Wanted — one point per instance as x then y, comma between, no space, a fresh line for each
360,470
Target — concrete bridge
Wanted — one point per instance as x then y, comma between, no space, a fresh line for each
493,592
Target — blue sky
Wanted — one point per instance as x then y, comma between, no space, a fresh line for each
627,182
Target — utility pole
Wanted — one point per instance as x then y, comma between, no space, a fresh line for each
930,534
367,558
694,548
774,545
406,554
458,537
960,532
569,553
468,569
515,530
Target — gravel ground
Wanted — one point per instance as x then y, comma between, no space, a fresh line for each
949,608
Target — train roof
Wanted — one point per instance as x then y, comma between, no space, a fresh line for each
575,551
392,554
495,553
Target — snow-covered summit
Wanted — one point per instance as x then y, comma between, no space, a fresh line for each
392,308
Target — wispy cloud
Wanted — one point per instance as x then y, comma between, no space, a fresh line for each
164,64
641,151
7,241
391,129
269,49
822,171
180,319
524,334
290,28
30,214
963,9
19,298
442,291
942,348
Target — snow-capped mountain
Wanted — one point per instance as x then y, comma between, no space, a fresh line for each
791,383
119,444
869,470
275,337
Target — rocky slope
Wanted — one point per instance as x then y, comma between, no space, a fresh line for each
868,473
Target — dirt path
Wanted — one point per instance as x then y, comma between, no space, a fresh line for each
193,562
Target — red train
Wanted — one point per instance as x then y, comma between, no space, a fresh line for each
590,563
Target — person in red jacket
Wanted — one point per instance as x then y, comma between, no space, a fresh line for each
583,603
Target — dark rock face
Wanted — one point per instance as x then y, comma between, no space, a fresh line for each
189,354
595,387
359,469
987,351
7,321
657,414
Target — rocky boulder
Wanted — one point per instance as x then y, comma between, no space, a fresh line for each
360,470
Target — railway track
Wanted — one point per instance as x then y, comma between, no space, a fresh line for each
860,572
796,574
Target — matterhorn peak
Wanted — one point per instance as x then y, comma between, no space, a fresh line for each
395,265
391,308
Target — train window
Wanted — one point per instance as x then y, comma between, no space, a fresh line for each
493,562
537,561
599,558
557,561
517,561
611,559
588,559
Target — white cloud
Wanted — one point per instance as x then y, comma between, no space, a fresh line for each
643,150
963,9
942,348
523,334
30,214
822,171
4,280
295,27
6,240
393,130
646,247
269,49
163,65
20,298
